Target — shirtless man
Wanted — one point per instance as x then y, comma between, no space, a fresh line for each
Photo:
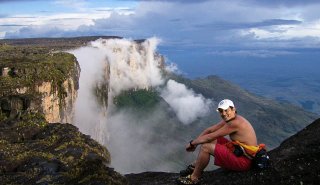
213,143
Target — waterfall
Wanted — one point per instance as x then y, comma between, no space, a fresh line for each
112,66
137,141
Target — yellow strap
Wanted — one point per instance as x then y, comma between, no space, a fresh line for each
249,149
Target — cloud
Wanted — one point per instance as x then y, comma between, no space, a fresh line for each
13,25
87,111
195,24
245,25
57,25
127,66
187,105
288,3
76,4
6,1
131,66
151,134
170,1
286,32
254,53
172,67
272,22
136,67
36,31
259,1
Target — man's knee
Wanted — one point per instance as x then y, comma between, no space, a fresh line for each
208,147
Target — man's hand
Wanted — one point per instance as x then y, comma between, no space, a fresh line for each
190,147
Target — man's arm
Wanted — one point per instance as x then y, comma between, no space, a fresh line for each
222,131
192,145
212,128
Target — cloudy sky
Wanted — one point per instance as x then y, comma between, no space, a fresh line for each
212,29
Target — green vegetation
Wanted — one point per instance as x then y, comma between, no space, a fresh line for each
30,66
27,120
137,99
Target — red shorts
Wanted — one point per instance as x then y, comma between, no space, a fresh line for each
224,158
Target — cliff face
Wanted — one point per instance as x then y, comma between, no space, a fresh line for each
51,101
38,80
39,86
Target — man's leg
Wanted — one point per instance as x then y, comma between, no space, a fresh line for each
203,159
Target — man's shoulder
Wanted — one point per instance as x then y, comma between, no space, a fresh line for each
241,118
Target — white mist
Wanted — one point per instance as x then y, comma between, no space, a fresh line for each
130,66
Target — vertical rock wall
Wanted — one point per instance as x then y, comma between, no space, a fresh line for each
55,107
41,82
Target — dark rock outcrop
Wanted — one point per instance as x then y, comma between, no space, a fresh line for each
35,152
295,162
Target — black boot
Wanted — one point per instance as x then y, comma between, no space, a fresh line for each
187,171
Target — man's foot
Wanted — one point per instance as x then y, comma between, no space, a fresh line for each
187,181
187,171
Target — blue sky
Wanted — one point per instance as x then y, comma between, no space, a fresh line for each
203,29
270,47
178,22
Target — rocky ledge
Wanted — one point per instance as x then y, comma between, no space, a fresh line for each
35,152
295,162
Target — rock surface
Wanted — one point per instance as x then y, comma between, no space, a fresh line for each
35,152
295,161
